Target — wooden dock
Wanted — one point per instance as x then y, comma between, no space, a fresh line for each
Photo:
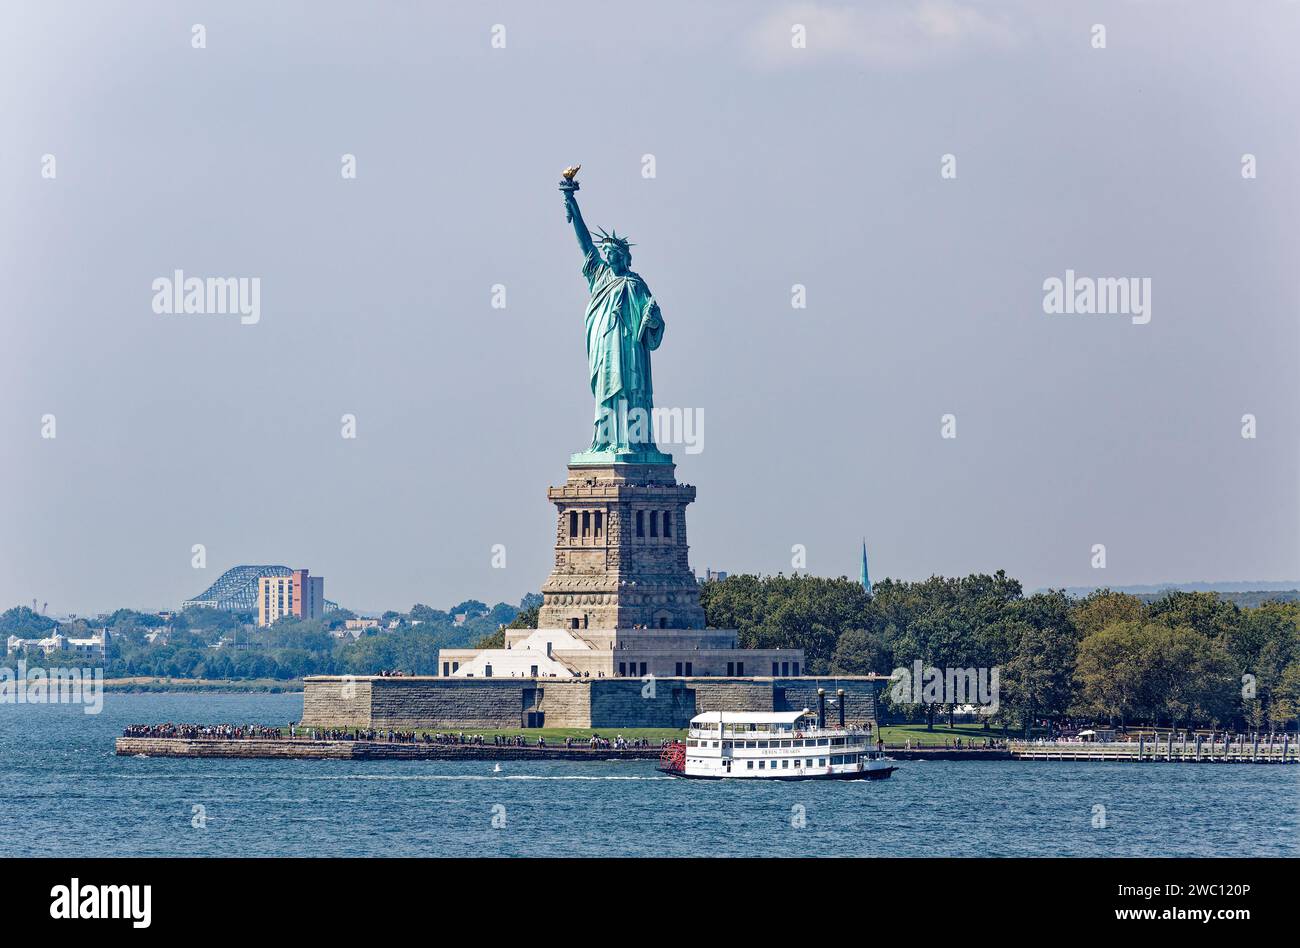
1221,749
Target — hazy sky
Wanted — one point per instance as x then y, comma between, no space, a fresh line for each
774,166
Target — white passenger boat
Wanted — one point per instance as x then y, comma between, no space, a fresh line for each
781,745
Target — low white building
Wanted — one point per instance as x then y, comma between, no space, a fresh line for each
94,647
621,653
531,656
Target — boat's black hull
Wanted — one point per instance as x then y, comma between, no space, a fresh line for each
858,775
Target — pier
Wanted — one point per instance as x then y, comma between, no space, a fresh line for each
1201,749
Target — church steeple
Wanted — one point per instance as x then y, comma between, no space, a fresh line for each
864,578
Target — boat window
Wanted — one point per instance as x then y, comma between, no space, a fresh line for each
785,764
749,765
762,743
821,761
762,765
726,744
785,743
797,762
822,742
811,761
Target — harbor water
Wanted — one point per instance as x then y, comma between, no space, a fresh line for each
63,792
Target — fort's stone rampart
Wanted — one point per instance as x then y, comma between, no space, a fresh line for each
404,703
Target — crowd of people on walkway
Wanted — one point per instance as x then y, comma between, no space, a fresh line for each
596,742
225,732
959,743
298,732
354,734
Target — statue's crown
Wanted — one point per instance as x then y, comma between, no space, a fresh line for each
612,239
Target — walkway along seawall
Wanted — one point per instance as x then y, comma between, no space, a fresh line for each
305,749
296,749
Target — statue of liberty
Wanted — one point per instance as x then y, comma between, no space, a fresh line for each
624,326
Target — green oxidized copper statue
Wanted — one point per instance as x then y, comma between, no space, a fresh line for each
624,326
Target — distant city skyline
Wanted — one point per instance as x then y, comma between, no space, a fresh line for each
883,210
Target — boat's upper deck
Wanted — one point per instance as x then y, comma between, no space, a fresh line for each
765,725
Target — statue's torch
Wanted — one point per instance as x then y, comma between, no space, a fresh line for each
569,184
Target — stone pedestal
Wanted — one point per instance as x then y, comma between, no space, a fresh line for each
621,551
621,601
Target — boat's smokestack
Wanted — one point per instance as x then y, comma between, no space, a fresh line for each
821,707
840,694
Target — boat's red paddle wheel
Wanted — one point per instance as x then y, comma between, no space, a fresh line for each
673,757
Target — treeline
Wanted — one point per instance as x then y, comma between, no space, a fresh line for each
1183,659
216,644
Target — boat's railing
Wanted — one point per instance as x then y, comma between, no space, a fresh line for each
797,747
731,735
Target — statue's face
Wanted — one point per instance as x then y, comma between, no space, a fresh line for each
619,260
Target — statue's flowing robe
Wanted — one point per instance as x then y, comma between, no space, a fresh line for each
623,327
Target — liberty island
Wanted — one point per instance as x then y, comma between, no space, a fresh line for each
621,640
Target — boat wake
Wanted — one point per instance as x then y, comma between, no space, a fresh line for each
473,777
264,777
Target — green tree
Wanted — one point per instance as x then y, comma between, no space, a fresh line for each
1203,612
804,612
1037,680
25,623
1192,677
1102,608
861,652
1111,672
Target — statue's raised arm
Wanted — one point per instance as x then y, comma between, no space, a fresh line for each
573,215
